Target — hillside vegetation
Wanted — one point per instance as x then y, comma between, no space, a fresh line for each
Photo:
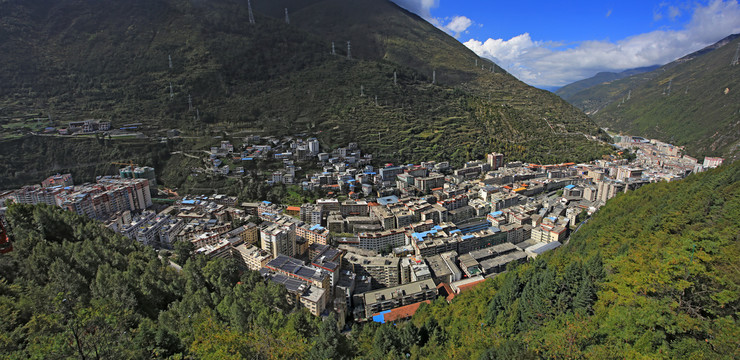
70,60
693,102
568,91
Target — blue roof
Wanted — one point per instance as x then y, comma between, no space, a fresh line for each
188,202
494,229
553,218
497,213
380,318
455,231
437,227
317,226
247,159
266,202
370,173
388,200
466,237
570,187
421,235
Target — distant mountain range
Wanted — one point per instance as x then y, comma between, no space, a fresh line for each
106,59
693,101
567,91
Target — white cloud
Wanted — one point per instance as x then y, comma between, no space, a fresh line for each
673,13
546,64
422,8
458,25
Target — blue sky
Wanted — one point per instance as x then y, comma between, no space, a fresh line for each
552,43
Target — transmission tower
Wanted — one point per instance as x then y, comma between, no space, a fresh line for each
376,100
349,50
669,86
287,18
395,78
190,103
251,16
629,95
332,49
362,90
476,62
434,76
170,58
172,93
737,56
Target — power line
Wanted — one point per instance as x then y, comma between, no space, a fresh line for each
251,16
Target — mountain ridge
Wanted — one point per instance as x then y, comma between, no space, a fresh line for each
692,101
78,59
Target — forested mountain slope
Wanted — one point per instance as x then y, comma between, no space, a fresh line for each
693,102
70,60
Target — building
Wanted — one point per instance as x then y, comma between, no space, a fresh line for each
249,234
712,162
379,241
314,234
393,297
311,297
58,180
495,160
296,269
221,249
253,257
384,271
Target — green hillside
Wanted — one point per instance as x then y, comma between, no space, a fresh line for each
570,90
700,111
652,275
70,60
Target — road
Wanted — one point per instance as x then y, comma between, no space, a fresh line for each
177,268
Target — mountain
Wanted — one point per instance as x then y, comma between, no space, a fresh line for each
567,91
690,102
79,59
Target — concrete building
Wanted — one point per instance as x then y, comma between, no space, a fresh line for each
253,257
379,241
383,270
390,298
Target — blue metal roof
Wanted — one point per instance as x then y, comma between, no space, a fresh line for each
380,317
466,237
569,187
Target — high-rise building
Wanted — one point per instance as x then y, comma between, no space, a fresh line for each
495,160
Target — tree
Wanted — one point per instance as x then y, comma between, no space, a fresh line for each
183,251
329,343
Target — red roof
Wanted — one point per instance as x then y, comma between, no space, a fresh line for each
294,208
403,312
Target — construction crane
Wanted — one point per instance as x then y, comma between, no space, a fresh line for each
130,164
